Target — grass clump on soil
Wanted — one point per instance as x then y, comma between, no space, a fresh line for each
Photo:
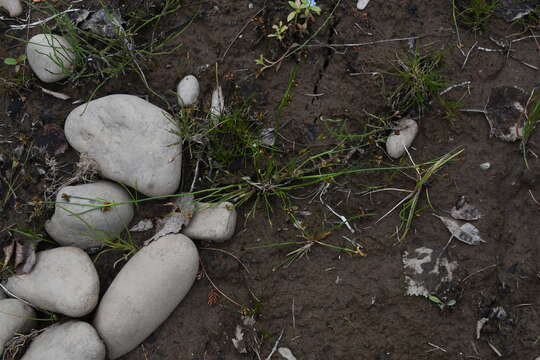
309,239
102,57
419,82
475,14
409,204
532,116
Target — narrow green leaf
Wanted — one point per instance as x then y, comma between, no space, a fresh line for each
10,61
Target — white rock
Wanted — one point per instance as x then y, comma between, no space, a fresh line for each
362,4
212,222
50,56
401,138
286,353
15,317
88,229
188,91
145,292
131,140
13,7
63,280
73,340
218,102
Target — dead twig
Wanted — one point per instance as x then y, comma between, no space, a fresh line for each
230,254
366,43
240,33
478,271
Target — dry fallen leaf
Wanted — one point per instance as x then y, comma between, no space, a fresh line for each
463,210
20,254
238,340
176,220
467,233
25,257
8,253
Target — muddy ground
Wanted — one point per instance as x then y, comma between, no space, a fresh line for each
331,305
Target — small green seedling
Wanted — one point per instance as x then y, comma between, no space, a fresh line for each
279,31
441,304
303,8
14,61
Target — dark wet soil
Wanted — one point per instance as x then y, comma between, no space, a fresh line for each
331,305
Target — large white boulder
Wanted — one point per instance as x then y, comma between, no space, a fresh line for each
212,222
75,223
50,56
188,91
401,138
131,140
13,7
15,317
145,292
63,280
73,340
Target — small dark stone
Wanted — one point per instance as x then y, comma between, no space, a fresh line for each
412,9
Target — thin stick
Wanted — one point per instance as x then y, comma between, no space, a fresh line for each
230,254
34,24
526,37
436,347
293,318
465,83
468,54
275,346
240,33
495,350
217,289
478,271
366,43
196,175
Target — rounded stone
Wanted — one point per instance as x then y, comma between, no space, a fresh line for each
402,138
15,317
212,222
74,223
63,280
132,141
145,292
73,340
51,57
13,7
188,91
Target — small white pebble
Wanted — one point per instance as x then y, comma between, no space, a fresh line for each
485,166
286,353
250,6
362,4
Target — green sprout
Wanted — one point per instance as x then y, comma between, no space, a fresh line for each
279,32
14,61
440,303
303,8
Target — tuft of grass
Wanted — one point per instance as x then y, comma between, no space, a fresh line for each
14,177
286,98
475,14
100,58
309,239
532,116
419,82
409,204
